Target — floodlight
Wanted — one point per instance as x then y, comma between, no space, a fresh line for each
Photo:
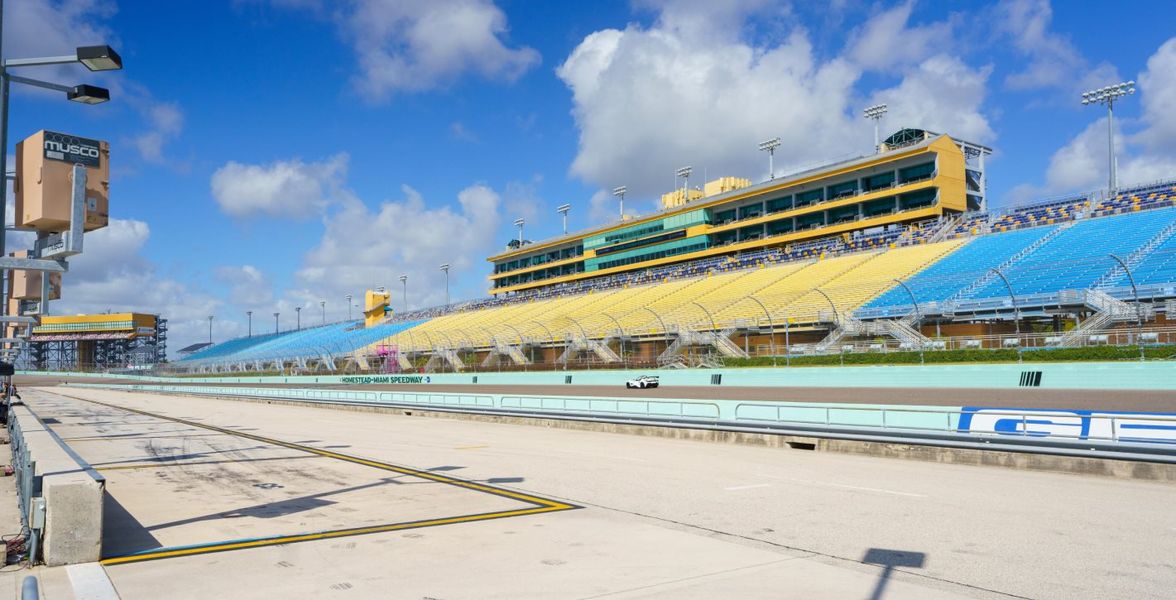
88,94
99,58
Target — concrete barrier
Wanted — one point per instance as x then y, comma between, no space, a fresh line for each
72,490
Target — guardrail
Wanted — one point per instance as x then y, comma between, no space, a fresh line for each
1096,434
28,488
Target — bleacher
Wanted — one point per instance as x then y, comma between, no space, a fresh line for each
327,340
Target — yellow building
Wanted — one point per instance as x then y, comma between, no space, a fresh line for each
917,176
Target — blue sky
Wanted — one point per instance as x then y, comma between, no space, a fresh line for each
272,154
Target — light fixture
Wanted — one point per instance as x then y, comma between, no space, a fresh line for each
88,94
770,146
99,58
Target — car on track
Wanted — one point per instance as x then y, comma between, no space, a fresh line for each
642,382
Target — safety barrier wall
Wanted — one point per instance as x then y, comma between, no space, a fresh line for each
69,490
1101,426
1126,375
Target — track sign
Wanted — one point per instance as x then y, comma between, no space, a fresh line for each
72,149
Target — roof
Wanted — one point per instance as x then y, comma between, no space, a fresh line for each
71,337
194,347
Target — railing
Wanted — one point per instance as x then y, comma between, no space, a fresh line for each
28,487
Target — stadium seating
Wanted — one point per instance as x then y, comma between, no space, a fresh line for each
334,340
1078,256
958,270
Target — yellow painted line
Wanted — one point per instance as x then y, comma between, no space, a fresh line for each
541,505
471,447
183,463
325,535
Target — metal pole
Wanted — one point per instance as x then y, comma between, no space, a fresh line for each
297,318
1138,307
771,163
787,351
4,159
249,314
914,303
323,306
1016,309
1111,145
209,326
771,327
404,292
276,322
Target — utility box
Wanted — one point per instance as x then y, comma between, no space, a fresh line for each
26,285
44,180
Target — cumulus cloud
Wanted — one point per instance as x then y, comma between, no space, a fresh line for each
362,248
1052,60
164,122
287,188
113,275
248,286
1145,147
427,44
649,100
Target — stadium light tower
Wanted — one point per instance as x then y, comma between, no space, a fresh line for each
874,113
770,146
1107,95
348,299
298,318
404,287
445,268
619,192
323,306
249,316
563,209
94,58
519,222
684,173
276,322
210,317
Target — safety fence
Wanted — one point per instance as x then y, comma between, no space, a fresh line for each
1138,436
28,488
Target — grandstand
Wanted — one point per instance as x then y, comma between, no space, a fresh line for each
104,342
1039,275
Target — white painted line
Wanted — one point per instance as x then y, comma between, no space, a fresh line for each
747,487
90,582
844,486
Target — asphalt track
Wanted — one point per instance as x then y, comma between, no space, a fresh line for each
1119,400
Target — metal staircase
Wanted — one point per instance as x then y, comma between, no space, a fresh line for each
720,341
1107,311
577,345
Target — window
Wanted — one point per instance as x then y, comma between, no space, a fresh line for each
809,197
916,173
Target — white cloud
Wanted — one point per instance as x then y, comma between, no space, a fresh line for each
289,188
45,28
248,286
363,248
1052,59
165,121
113,275
887,41
650,100
427,44
460,132
1147,155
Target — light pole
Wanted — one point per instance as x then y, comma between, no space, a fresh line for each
519,222
1016,309
1138,310
249,315
563,209
348,299
1107,95
94,58
684,173
210,329
619,192
445,268
874,113
770,146
297,318
404,288
276,322
323,306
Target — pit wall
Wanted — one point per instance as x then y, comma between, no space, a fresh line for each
1156,375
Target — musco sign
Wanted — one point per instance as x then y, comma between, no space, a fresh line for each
72,149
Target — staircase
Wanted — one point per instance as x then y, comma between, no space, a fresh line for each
1107,311
720,341
1136,258
987,277
946,228
442,356
514,353
583,344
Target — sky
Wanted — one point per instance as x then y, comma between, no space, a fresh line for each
275,154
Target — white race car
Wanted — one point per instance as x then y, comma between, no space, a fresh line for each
642,382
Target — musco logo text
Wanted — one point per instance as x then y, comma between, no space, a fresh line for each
72,149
